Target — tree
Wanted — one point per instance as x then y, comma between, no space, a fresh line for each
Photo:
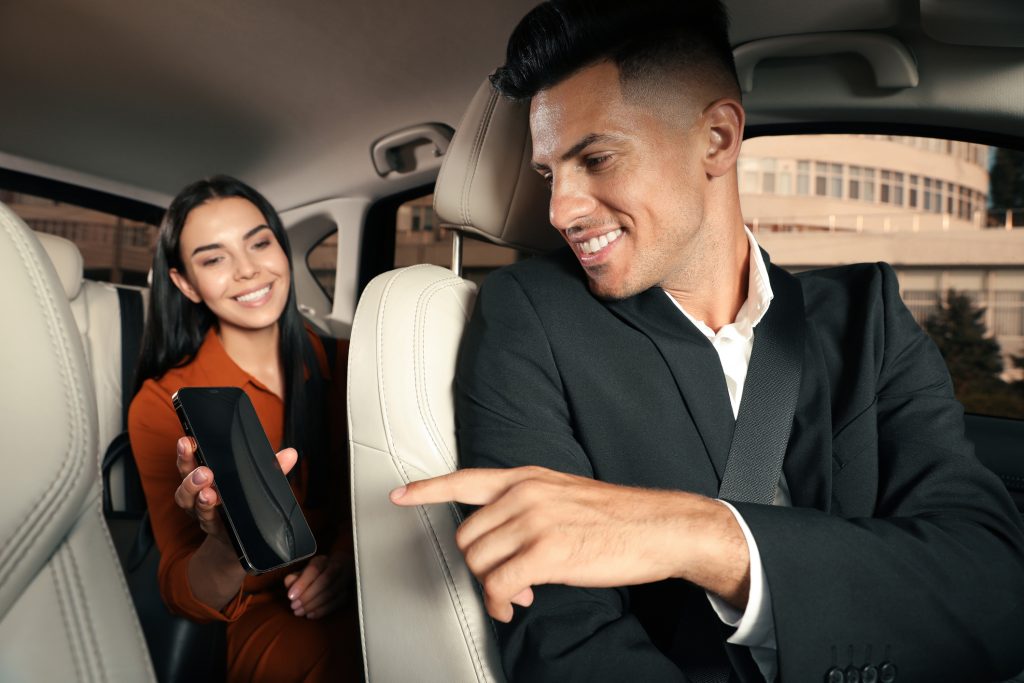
973,358
1007,179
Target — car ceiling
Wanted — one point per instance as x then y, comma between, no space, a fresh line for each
141,98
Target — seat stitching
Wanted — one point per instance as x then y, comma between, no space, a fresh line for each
419,366
475,154
83,597
122,582
445,564
453,589
48,505
76,654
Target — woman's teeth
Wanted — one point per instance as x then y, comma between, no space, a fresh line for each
253,296
599,243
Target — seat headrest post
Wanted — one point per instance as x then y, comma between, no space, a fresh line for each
457,252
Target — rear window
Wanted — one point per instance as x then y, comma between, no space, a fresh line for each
114,249
420,238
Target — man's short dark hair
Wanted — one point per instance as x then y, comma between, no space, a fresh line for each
646,39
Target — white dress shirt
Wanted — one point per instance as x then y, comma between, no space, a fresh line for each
733,343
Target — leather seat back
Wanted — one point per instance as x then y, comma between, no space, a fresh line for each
96,310
65,612
421,611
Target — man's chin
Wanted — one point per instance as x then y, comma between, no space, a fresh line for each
611,291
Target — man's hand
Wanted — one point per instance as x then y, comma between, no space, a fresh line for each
538,526
321,587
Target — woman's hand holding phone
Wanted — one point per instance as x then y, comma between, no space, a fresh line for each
196,494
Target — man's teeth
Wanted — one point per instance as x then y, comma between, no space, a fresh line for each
598,243
253,296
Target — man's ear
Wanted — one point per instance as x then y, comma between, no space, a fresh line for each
184,286
724,120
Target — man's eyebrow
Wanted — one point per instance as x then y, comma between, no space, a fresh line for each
584,142
218,245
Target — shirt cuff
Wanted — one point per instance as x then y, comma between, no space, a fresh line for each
754,626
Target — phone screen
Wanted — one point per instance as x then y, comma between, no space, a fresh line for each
257,503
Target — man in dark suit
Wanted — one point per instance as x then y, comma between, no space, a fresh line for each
704,467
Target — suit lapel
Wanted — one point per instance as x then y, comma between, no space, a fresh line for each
694,365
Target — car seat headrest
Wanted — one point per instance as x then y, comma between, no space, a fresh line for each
67,261
486,187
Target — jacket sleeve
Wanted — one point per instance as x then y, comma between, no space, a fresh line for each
511,411
154,430
932,580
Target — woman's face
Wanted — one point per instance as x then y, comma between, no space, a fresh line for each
233,264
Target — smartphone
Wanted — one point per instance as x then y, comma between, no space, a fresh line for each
263,518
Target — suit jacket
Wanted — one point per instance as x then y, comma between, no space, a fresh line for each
900,547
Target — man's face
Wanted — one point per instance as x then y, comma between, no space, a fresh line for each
627,181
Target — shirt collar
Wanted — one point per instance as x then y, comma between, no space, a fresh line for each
759,297
219,368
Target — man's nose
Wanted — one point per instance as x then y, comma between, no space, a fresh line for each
571,202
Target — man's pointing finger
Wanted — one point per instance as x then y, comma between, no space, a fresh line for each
471,487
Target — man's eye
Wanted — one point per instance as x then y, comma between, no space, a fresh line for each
548,179
598,162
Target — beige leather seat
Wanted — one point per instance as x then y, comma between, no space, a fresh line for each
96,311
421,612
65,612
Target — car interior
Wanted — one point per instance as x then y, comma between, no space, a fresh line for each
345,115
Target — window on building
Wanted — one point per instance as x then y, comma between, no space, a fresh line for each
835,184
853,173
820,178
913,191
768,176
1008,313
886,187
803,172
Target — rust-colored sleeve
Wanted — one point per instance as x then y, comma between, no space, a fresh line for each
153,429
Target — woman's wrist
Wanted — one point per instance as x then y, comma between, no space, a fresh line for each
214,573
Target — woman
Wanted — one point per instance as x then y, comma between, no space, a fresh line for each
222,312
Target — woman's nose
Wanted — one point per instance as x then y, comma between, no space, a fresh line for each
246,268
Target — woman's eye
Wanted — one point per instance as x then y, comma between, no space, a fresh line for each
262,244
213,260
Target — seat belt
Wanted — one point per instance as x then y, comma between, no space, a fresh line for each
768,406
131,314
762,430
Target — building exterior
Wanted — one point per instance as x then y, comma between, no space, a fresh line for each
920,204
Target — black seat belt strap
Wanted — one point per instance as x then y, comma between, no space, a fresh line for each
769,400
130,304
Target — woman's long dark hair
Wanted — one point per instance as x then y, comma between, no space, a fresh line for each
175,326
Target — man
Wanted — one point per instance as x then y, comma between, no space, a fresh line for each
608,382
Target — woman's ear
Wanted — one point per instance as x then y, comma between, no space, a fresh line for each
184,286
724,119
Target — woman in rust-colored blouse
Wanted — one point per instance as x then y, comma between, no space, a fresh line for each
223,313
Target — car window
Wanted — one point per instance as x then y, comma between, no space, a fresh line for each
322,261
948,216
419,238
114,249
